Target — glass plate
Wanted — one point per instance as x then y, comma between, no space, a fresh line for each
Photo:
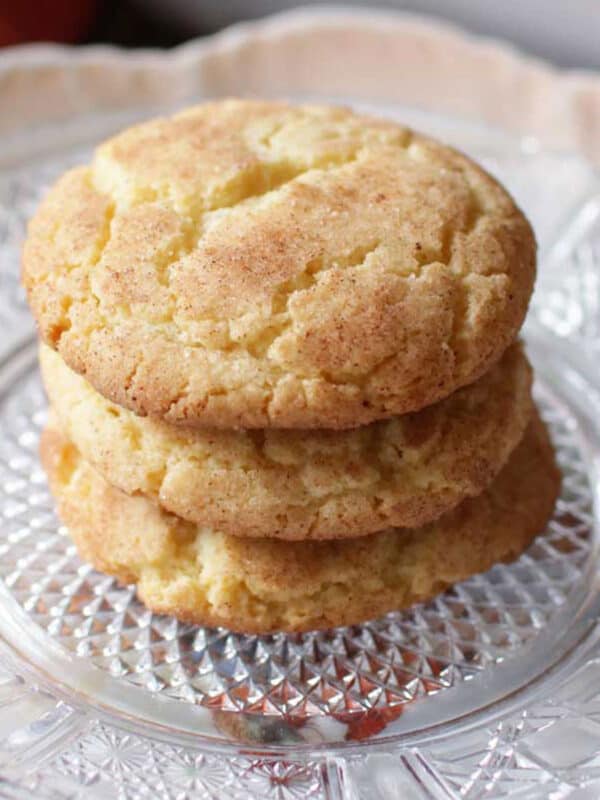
491,689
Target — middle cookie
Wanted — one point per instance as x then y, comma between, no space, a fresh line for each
292,484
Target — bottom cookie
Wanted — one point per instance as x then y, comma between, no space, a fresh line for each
259,585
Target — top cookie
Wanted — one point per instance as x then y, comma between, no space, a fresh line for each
253,264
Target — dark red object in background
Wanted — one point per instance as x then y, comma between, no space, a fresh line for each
45,20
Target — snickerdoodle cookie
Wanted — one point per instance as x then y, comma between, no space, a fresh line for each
400,472
204,576
253,264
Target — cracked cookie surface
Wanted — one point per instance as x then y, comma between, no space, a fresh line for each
208,578
291,484
251,264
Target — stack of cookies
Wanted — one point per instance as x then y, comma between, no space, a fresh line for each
279,347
